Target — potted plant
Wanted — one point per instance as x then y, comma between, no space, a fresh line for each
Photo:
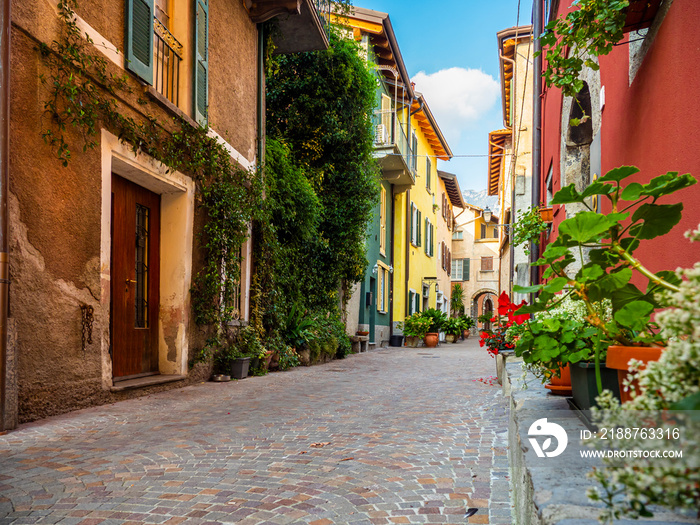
437,320
559,343
467,324
667,396
528,228
414,329
592,258
453,329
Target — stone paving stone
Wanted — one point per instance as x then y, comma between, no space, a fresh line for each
411,438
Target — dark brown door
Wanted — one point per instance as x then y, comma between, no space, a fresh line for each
135,278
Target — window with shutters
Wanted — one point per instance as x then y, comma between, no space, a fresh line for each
457,269
431,250
413,224
428,177
382,222
419,234
155,30
201,74
487,264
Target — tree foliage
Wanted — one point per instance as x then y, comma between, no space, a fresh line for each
320,105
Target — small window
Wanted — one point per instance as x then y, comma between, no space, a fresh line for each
487,264
457,269
458,235
483,232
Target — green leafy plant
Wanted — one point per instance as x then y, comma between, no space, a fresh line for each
570,42
663,389
468,322
415,325
559,335
527,228
288,358
453,326
437,319
457,299
299,329
604,245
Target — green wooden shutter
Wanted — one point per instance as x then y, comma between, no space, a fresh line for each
466,269
432,240
427,236
201,61
420,232
139,38
412,212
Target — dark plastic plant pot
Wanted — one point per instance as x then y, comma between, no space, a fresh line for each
396,340
583,383
239,368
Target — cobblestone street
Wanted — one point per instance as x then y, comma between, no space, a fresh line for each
391,436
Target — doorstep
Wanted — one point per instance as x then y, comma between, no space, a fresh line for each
552,491
141,382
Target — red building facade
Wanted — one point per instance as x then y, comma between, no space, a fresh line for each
645,112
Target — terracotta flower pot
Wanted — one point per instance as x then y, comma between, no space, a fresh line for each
465,334
431,339
547,214
268,358
619,356
560,386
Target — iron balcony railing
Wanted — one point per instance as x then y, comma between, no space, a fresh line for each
323,8
388,134
168,55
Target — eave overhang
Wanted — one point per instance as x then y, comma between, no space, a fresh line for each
426,122
452,187
300,27
507,43
497,148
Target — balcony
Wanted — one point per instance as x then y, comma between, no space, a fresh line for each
392,150
302,25
168,55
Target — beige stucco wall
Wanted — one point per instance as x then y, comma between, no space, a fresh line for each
59,217
473,248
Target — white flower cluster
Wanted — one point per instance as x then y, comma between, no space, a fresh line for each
570,308
674,377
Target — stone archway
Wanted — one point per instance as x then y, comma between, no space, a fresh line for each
479,300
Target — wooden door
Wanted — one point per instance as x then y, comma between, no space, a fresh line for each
135,279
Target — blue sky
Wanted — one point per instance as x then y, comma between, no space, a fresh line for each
449,48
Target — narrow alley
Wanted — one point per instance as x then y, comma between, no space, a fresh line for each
395,435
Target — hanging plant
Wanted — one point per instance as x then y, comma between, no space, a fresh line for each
571,42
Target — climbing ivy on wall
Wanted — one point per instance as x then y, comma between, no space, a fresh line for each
320,104
82,93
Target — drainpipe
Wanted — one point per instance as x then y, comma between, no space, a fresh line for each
408,250
261,95
5,25
537,132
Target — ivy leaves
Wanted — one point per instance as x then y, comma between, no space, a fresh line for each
571,41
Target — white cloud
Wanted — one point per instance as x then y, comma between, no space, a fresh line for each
457,97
